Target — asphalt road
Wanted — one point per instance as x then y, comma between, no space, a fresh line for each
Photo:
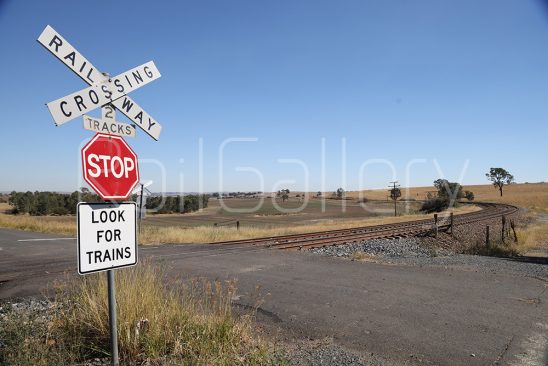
399,314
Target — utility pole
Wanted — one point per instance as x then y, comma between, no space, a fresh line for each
141,207
394,188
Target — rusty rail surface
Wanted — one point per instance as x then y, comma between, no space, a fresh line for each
397,230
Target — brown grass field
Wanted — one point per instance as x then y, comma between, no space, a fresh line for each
218,221
531,195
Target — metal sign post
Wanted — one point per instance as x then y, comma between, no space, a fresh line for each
107,239
112,317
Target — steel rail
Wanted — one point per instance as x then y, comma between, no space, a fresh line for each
403,229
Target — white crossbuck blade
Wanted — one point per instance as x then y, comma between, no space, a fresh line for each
79,103
75,61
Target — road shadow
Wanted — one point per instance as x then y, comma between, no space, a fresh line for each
528,259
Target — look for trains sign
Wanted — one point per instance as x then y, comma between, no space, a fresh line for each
110,166
107,238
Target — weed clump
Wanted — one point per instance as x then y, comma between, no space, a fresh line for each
158,323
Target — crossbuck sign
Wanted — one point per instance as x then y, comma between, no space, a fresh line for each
102,89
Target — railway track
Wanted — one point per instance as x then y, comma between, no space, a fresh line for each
397,230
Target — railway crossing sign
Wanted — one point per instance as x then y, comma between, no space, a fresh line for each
107,236
110,166
103,89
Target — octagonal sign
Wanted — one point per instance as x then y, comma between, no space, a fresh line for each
110,166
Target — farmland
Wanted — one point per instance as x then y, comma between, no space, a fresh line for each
529,195
275,213
271,216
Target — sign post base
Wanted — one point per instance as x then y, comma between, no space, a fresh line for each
112,318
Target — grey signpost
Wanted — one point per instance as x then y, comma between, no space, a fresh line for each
112,318
114,224
108,93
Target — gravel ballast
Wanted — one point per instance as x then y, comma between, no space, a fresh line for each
420,252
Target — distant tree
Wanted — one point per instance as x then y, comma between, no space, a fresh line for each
340,193
283,194
448,190
469,195
500,177
395,193
47,203
435,205
319,194
447,194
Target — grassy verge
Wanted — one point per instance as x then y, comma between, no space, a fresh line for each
52,225
495,249
158,324
532,237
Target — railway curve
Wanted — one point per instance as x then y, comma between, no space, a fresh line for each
310,240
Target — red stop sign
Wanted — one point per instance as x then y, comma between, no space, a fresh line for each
110,166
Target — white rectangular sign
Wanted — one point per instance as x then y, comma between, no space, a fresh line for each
107,236
76,104
108,126
67,54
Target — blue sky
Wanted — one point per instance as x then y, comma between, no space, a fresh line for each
449,88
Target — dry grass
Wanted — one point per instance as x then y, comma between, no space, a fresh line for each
183,324
52,225
533,195
532,238
152,234
362,257
208,234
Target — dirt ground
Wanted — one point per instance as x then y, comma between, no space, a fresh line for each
269,213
